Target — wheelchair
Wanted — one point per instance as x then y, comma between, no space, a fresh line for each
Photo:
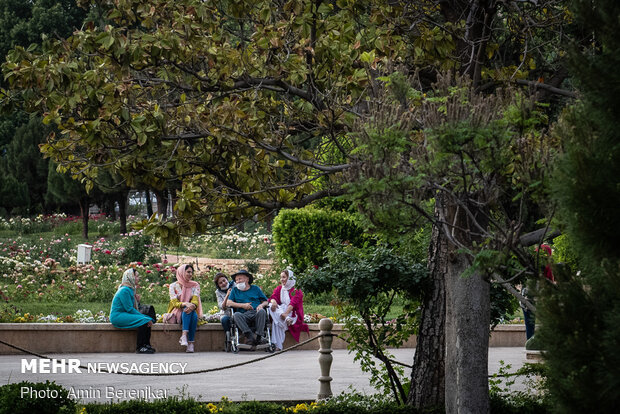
232,337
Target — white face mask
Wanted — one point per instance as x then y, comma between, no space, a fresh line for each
240,286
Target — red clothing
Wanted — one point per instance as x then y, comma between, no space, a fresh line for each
297,302
547,272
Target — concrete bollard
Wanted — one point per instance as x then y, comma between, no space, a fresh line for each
325,358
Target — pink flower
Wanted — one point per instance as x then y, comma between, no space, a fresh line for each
108,252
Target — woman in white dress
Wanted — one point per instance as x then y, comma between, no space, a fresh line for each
286,309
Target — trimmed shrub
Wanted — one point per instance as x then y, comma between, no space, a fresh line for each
302,236
349,404
50,398
518,403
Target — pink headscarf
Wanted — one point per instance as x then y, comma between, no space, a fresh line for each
186,293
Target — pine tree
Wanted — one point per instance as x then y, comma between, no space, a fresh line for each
23,171
64,190
581,317
24,162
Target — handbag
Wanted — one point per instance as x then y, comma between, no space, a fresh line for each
148,310
170,319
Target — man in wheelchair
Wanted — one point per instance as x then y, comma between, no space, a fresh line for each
250,305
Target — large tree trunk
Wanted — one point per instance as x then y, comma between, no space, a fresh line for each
122,211
162,203
470,49
467,340
84,205
467,324
427,376
149,204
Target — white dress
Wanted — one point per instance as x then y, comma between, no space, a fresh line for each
279,326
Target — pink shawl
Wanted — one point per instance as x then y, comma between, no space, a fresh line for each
186,293
297,298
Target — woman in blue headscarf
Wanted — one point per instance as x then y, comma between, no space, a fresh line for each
124,312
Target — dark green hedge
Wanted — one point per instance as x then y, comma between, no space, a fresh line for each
39,398
11,402
302,236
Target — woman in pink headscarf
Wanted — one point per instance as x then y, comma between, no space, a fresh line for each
185,306
286,308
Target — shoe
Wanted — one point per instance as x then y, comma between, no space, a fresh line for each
190,347
183,341
145,350
150,347
250,339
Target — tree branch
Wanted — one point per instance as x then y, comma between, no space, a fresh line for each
536,236
552,89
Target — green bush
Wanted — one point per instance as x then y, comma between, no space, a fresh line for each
170,405
55,399
302,236
137,248
564,251
579,333
518,403
342,404
366,281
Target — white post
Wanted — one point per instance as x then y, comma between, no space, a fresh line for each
325,358
83,253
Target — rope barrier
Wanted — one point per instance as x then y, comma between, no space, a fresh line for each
202,371
212,369
104,371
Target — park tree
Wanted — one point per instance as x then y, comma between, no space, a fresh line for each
580,329
23,170
480,161
248,107
113,189
25,164
64,190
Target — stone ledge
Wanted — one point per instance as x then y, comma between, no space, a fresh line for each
103,337
532,355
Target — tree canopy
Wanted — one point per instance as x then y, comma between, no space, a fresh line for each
252,106
240,100
23,182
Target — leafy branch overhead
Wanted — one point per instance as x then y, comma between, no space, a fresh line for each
248,104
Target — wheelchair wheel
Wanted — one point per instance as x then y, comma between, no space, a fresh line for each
234,343
227,345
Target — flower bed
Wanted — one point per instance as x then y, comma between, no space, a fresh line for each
45,269
212,315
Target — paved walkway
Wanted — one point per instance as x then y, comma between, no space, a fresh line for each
289,376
